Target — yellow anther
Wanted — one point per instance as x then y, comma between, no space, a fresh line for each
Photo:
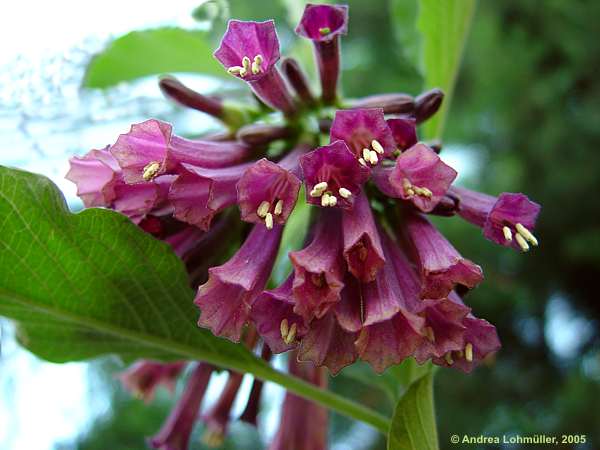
263,209
448,358
324,31
291,335
150,171
321,186
284,329
325,199
469,352
373,157
366,153
522,242
430,334
507,233
425,192
316,193
235,70
278,207
258,59
377,147
269,221
526,234
362,162
332,200
344,193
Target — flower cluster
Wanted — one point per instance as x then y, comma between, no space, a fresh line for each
375,279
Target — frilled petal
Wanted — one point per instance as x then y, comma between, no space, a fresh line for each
267,193
441,267
421,177
225,299
249,40
332,172
349,310
328,344
303,424
319,268
198,193
95,174
145,376
362,245
176,431
136,200
275,319
150,149
359,128
323,22
217,418
404,131
508,219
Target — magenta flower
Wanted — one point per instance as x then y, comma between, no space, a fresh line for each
404,131
323,24
508,219
176,431
218,418
144,377
95,174
366,133
249,51
440,265
225,299
332,176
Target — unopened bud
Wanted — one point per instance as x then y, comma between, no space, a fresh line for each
298,80
391,103
175,90
261,134
427,104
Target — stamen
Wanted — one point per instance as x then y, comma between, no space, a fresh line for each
263,209
507,233
377,147
425,192
522,242
526,234
235,70
366,154
469,352
324,31
151,170
448,358
269,221
291,334
344,193
284,329
408,187
321,186
429,333
256,64
373,157
278,207
325,199
362,162
332,200
396,153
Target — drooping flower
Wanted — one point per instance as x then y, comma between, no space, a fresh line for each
225,299
218,418
95,174
145,376
404,131
508,219
176,431
249,51
323,25
332,176
250,413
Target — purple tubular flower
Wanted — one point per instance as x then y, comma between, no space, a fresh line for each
366,132
332,176
390,103
508,219
198,193
275,319
176,431
95,174
480,340
427,104
362,246
348,311
328,344
323,24
184,241
250,414
267,193
135,201
319,268
298,80
303,424
225,299
441,267
145,376
249,51
174,89
404,131
150,149
421,177
258,135
217,419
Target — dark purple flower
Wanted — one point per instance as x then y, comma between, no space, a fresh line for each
150,149
250,413
136,201
217,419
508,219
303,424
404,131
95,174
198,193
176,431
332,176
275,319
225,299
298,80
366,133
145,376
323,24
267,193
362,246
395,103
319,268
441,267
421,177
249,51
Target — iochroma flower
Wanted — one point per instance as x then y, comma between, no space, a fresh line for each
373,280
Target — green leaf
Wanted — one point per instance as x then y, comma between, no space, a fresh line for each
404,23
413,424
444,27
89,284
152,52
